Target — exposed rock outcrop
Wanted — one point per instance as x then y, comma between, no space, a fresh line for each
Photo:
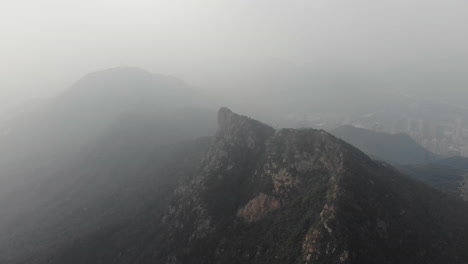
258,207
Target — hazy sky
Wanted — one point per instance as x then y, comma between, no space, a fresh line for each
45,45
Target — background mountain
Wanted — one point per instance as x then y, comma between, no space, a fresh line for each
392,148
261,195
112,144
120,100
446,175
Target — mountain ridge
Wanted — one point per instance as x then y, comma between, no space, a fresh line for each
295,165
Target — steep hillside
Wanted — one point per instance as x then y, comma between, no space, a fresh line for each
287,196
392,148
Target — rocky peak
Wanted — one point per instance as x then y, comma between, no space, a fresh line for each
235,129
225,115
228,120
298,196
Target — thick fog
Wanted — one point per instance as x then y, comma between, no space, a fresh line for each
230,47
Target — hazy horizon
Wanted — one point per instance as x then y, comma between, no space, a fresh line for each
48,45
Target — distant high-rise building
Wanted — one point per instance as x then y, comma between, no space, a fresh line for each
458,128
413,127
421,127
444,145
430,130
409,123
433,145
464,151
305,121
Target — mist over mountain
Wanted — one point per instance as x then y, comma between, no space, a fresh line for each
118,145
98,99
91,158
119,100
122,168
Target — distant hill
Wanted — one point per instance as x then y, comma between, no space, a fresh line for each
446,175
96,101
441,177
457,162
392,148
168,109
111,146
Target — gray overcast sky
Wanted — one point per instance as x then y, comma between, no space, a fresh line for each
45,45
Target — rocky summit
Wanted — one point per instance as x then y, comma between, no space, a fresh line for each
260,195
304,196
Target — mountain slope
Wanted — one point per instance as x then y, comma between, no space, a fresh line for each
287,196
392,148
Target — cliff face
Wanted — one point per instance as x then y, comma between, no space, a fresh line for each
304,196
